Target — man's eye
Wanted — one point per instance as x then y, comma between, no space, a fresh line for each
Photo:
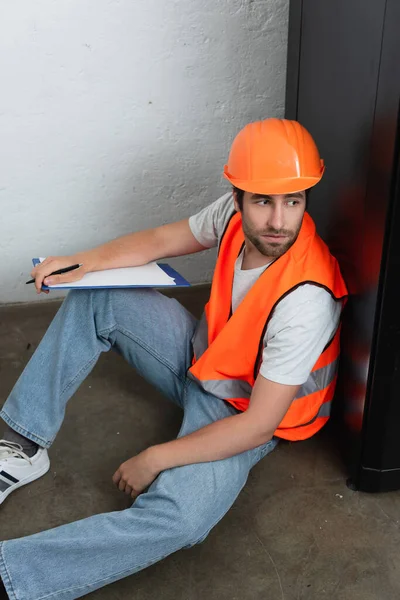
293,202
263,202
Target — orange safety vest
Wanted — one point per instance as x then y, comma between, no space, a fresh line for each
228,348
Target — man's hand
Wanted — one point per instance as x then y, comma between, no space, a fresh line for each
41,272
136,474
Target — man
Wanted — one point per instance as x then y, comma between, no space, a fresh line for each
259,366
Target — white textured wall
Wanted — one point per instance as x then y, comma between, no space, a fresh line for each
118,115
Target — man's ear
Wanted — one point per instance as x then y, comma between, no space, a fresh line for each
235,202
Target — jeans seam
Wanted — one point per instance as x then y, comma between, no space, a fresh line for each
85,366
184,396
6,572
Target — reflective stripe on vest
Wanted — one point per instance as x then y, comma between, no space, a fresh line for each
224,388
240,389
232,388
317,381
324,412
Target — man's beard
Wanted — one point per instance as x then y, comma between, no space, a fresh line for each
270,249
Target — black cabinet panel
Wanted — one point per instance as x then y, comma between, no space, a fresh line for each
343,84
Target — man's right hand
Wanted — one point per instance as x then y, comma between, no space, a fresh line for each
41,272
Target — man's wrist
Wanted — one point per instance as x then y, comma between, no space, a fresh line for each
154,460
86,259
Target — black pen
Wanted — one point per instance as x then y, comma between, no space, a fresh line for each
60,272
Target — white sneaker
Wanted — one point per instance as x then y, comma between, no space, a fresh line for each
17,469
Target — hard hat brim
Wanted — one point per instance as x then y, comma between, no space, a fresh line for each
274,186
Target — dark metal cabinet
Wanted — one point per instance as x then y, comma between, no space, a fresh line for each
343,84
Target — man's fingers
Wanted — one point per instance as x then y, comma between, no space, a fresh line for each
55,279
121,485
116,477
128,490
42,270
74,275
38,283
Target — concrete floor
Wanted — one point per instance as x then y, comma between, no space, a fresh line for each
295,533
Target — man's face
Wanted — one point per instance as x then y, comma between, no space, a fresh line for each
271,223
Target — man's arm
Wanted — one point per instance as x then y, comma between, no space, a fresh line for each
269,403
131,250
142,247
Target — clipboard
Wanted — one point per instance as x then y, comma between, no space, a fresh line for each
176,279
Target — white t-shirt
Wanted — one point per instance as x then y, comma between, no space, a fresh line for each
302,323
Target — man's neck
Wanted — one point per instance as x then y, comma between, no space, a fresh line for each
253,259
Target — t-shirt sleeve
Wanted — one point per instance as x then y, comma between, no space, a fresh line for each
209,224
302,325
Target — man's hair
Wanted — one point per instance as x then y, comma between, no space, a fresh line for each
239,194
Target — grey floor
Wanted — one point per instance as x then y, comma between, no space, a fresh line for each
295,533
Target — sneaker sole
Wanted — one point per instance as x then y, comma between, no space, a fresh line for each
33,477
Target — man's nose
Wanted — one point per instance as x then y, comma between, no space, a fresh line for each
275,220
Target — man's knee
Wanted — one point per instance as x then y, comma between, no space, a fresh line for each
82,298
194,501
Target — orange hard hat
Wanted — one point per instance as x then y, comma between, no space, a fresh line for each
275,156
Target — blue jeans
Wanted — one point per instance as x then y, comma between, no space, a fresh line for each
153,333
